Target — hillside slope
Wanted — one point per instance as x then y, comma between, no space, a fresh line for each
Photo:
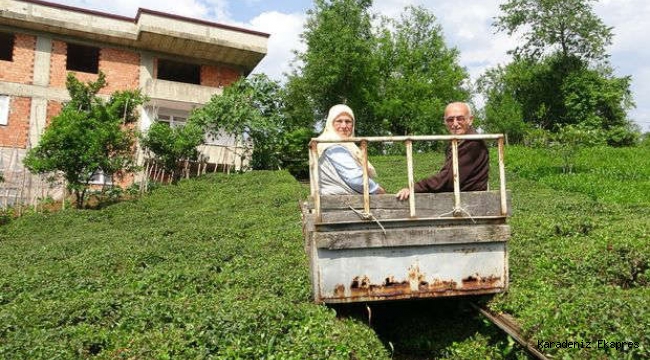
215,268
209,268
579,254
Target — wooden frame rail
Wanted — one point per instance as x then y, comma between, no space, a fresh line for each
408,142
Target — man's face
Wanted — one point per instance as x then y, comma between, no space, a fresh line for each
343,125
457,119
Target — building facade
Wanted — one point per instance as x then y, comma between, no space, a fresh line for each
178,63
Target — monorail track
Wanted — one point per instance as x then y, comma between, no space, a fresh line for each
509,327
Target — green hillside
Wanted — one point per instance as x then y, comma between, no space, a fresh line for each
215,268
208,268
579,253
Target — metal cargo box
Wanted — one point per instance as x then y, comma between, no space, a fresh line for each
392,255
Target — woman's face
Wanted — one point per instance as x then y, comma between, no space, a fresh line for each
343,125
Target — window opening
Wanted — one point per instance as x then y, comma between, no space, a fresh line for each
82,58
4,109
99,178
172,120
6,46
177,71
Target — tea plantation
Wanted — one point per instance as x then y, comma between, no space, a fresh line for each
579,254
208,268
215,268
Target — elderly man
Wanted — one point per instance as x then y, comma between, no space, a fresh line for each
473,161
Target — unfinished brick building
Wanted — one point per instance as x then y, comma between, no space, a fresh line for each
178,62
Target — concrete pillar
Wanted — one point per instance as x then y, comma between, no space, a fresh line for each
42,61
146,69
38,113
37,121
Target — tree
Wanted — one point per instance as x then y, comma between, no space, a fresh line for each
502,114
338,65
559,76
248,109
569,26
551,93
88,136
173,144
419,74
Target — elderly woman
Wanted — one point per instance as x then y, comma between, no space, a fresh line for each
340,163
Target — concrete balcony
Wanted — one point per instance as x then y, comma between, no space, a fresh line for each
173,91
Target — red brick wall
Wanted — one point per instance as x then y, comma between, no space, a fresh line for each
16,131
228,75
20,70
122,68
218,75
53,109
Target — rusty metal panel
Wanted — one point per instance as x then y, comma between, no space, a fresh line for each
376,274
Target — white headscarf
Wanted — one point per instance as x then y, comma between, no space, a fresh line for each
329,133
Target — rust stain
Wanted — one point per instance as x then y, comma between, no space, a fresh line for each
475,282
362,282
339,290
415,275
437,286
362,289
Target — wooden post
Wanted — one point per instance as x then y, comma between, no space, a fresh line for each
454,157
314,177
65,190
411,182
366,185
502,178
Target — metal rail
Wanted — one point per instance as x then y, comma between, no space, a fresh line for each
408,141
511,329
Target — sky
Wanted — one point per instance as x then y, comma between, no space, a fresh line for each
466,25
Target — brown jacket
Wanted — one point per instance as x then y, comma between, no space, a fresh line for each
473,166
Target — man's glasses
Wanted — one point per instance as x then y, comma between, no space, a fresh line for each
459,118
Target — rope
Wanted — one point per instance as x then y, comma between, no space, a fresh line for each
456,210
368,216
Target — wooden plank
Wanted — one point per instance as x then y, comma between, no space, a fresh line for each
411,237
385,214
422,201
407,223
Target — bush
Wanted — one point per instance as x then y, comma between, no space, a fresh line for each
568,141
6,215
644,140
620,136
295,152
537,138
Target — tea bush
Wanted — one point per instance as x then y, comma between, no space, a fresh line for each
579,254
210,268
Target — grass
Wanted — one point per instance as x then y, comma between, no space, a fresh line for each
215,268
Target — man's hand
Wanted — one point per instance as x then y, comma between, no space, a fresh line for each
403,194
380,191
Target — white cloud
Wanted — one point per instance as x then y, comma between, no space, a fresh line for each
285,30
629,56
